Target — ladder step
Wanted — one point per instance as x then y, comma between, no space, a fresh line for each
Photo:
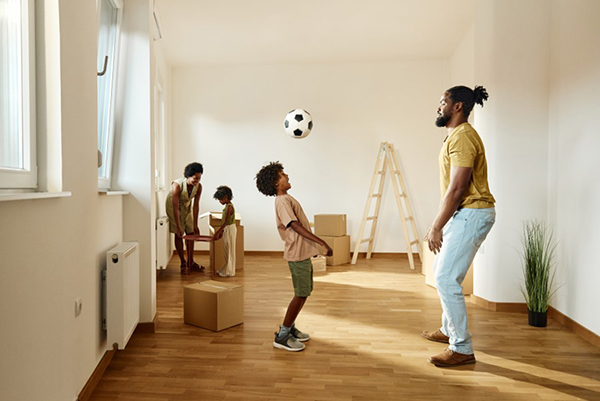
396,171
414,242
371,218
366,240
380,172
402,195
376,196
408,219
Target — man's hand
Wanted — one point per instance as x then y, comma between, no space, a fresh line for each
196,230
434,238
329,251
179,232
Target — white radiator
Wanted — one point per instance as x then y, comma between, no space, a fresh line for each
121,294
163,244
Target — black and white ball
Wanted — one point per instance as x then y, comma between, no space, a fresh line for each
298,123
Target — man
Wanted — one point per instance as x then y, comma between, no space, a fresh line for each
467,213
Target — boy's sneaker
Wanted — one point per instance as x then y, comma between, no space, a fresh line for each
288,343
299,335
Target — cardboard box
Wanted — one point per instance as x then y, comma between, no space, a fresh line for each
341,250
427,270
216,250
214,218
330,225
213,305
319,263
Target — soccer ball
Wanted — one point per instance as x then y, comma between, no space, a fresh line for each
298,123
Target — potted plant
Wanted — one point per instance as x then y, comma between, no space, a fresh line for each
538,268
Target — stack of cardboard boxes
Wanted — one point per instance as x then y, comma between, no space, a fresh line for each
332,229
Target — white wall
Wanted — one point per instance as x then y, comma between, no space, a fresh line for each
230,118
511,60
162,77
462,61
53,250
540,136
134,145
574,190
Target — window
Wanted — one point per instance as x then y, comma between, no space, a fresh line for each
108,43
18,167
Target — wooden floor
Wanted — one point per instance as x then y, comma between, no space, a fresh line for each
364,321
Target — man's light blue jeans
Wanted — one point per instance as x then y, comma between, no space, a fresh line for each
462,238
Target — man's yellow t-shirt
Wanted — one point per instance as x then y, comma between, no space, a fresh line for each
464,148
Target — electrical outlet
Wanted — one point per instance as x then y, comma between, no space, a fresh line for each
78,306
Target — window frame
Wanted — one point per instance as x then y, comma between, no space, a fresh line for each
104,182
25,178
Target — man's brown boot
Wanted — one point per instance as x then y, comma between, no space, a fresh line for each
436,336
449,358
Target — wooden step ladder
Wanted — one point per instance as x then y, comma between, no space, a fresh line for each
386,159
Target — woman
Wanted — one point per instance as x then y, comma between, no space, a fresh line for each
181,219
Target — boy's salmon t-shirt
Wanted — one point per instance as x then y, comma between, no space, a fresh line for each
297,248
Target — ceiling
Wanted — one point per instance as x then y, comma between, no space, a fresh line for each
311,31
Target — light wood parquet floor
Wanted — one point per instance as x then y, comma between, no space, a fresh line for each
365,322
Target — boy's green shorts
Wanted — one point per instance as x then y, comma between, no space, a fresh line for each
302,277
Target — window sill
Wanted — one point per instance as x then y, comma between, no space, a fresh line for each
112,193
33,195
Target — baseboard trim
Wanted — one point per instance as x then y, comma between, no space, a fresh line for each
94,379
511,307
147,327
398,255
521,307
575,327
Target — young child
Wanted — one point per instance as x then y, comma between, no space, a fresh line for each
294,229
227,231
182,218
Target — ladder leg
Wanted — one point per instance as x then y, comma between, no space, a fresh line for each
411,260
402,214
368,205
409,212
377,207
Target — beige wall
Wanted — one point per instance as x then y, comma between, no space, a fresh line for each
574,187
134,145
230,118
53,250
512,61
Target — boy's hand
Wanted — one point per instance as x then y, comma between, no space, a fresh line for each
196,230
179,232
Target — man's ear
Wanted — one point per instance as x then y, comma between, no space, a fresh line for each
458,106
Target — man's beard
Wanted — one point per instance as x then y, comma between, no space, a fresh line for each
442,120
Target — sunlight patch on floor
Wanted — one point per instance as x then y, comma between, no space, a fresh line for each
541,372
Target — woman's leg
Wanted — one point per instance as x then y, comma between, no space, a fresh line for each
189,245
179,248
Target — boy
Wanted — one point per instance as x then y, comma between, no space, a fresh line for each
294,229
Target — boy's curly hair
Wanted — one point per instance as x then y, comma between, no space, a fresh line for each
267,177
223,191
